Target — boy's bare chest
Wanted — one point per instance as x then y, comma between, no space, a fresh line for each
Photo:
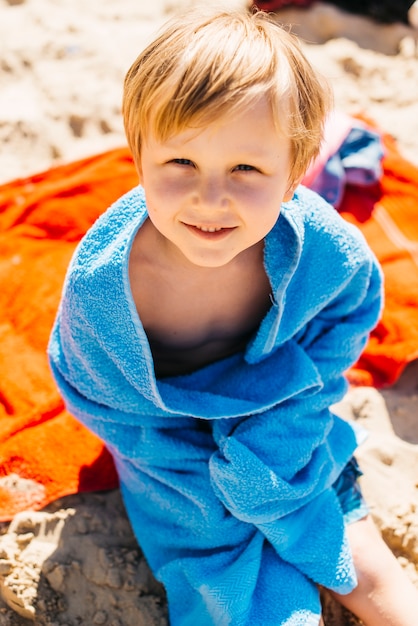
190,324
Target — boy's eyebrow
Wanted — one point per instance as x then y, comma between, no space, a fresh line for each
242,150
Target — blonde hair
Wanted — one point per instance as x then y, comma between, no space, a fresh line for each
206,64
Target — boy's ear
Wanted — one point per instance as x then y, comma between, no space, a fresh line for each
139,172
137,159
291,190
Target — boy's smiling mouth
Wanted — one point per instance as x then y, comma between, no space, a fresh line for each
209,231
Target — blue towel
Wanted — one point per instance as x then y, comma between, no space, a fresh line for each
227,472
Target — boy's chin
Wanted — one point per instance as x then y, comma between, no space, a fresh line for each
211,260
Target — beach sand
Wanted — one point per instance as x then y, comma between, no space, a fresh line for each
62,66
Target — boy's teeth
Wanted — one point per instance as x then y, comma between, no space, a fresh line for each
210,229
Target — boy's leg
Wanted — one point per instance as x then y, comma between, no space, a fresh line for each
384,596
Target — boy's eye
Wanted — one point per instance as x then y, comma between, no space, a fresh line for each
182,161
243,167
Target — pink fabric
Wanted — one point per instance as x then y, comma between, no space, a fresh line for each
274,5
337,128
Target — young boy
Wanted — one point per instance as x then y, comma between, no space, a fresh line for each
206,323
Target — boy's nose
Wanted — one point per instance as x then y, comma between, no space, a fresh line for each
213,193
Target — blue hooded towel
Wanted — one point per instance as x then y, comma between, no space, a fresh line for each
227,472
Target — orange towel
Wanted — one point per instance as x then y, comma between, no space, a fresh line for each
44,452
388,217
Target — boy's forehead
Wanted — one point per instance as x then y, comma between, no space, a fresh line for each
215,118
245,130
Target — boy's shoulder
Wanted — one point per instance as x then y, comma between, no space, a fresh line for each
312,248
318,223
116,224
310,210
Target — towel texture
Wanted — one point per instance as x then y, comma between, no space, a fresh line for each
227,472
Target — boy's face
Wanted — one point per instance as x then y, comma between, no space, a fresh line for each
213,193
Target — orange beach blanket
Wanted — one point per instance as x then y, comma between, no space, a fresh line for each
44,452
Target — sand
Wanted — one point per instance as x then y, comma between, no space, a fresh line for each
61,71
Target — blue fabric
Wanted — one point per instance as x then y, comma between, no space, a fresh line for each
227,473
349,493
357,162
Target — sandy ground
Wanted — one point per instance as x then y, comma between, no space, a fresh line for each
62,65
